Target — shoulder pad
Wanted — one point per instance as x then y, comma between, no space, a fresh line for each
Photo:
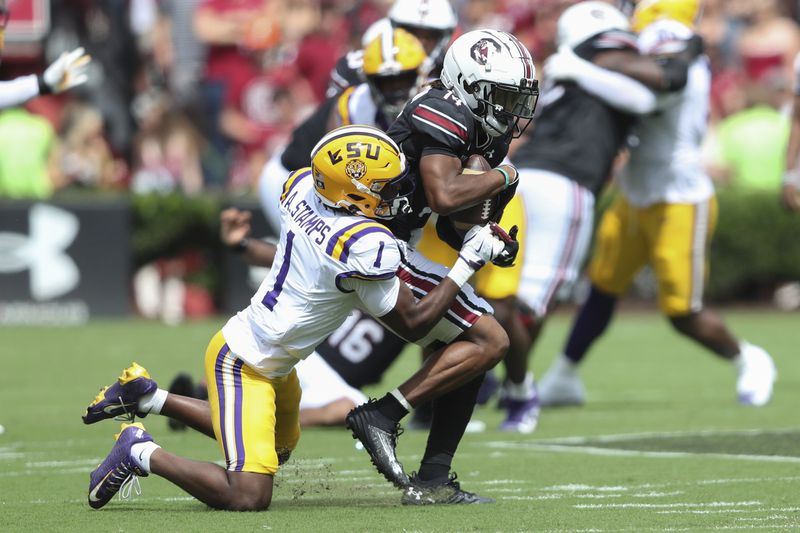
444,117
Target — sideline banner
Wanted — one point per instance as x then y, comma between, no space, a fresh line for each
64,263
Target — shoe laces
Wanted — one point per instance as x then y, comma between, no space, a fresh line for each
129,486
126,416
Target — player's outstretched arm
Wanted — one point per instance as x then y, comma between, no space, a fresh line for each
448,190
413,319
791,180
235,234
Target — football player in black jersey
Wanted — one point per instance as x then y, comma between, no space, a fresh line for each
430,21
485,97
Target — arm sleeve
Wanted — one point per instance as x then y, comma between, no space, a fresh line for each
18,91
617,90
378,297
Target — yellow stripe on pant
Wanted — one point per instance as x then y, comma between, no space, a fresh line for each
254,417
491,281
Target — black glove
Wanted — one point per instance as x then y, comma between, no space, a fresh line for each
509,253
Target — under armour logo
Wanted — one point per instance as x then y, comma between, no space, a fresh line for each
489,154
52,272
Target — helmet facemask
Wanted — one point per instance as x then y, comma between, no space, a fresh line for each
392,92
391,196
504,109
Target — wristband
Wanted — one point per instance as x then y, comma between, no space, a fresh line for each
241,246
43,87
461,272
505,175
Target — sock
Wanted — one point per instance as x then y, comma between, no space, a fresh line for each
141,452
521,391
592,321
435,467
451,414
153,402
391,407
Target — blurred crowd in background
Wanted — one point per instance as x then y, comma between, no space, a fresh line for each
195,95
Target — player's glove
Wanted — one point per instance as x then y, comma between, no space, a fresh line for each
482,244
506,257
66,72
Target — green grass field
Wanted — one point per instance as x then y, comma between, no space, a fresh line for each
660,446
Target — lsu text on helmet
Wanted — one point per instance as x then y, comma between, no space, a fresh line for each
361,170
393,69
587,19
648,11
494,75
431,21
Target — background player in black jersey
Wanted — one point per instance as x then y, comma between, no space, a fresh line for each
431,21
486,97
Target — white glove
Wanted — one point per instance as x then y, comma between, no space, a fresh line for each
480,246
68,71
564,65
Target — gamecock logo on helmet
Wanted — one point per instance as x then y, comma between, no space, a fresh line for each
483,50
355,169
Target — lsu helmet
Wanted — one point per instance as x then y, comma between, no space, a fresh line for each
648,11
392,68
584,20
431,21
494,75
361,170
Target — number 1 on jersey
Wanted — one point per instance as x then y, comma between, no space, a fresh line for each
271,298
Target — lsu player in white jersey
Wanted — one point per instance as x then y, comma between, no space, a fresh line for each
66,72
665,216
333,256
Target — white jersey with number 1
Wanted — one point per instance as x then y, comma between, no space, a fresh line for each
326,264
665,164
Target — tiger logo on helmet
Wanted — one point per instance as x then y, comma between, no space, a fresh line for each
361,170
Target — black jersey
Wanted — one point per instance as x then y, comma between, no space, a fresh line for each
309,133
346,72
576,134
437,122
361,350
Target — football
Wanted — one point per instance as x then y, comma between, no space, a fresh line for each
482,212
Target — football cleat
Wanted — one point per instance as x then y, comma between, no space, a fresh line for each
757,374
378,434
561,386
523,415
449,492
120,400
118,471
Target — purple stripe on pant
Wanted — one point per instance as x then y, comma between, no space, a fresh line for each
223,352
237,414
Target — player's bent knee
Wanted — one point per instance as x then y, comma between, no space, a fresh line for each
250,491
490,336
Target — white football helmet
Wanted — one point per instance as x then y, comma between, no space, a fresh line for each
494,75
421,17
587,19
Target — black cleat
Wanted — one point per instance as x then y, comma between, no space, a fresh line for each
182,385
378,434
437,493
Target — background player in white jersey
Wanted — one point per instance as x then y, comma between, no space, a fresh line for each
66,72
791,180
333,256
664,216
